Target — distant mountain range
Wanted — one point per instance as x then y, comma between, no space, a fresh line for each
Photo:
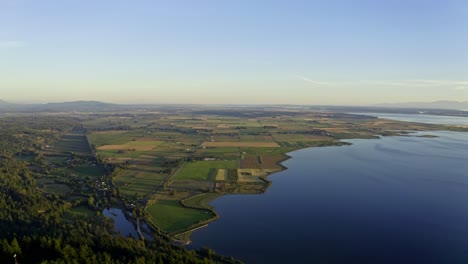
5,103
79,106
454,105
451,108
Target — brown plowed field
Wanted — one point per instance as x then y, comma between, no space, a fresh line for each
271,162
250,162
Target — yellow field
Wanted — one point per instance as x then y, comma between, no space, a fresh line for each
221,175
240,144
249,178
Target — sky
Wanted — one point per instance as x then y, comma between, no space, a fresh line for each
348,52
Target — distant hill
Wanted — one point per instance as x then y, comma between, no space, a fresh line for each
454,105
76,106
5,103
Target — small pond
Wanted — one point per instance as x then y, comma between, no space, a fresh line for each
121,224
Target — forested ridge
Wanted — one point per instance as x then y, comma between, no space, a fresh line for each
32,223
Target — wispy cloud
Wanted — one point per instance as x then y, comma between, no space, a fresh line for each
411,83
305,79
12,44
383,83
440,82
453,84
461,88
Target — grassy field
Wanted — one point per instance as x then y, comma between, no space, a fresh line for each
113,137
220,153
221,150
82,211
50,186
299,138
142,179
170,216
144,145
240,144
57,159
202,170
258,138
57,188
92,171
120,155
73,142
266,151
202,200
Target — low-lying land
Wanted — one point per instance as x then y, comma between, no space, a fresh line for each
162,167
165,167
173,163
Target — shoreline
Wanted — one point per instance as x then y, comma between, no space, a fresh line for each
336,143
280,163
217,216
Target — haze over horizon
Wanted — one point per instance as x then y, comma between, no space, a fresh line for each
242,52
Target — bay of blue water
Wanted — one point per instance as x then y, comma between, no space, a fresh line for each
389,200
422,118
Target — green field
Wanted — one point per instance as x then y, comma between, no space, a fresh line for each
266,151
94,172
113,137
57,159
142,179
220,150
73,142
116,154
82,211
170,216
202,170
91,171
202,200
50,186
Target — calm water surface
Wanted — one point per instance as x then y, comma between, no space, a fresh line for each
430,119
390,200
121,224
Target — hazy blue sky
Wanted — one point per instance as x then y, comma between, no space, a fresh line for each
253,51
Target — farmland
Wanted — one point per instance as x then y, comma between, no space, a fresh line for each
165,167
202,170
139,179
73,142
171,164
241,144
70,168
171,216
